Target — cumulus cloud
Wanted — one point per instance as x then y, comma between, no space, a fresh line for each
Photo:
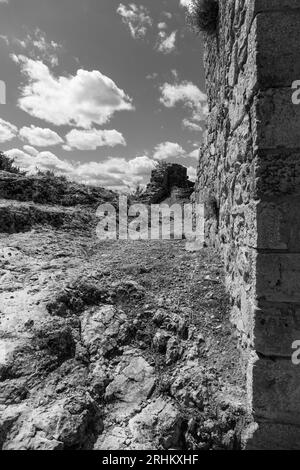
192,173
38,47
92,139
189,96
152,76
192,126
31,159
137,19
162,25
118,170
7,131
195,154
167,43
81,100
186,4
116,173
40,137
4,38
167,150
31,150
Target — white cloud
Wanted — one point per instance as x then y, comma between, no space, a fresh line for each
31,150
130,172
192,173
5,39
137,19
116,173
7,131
162,25
186,93
80,100
194,154
41,160
36,46
167,150
186,4
3,1
92,139
167,43
152,76
192,126
39,48
40,137
189,96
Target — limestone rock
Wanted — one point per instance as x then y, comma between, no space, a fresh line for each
159,422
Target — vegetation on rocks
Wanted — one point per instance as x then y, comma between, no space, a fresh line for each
7,164
203,16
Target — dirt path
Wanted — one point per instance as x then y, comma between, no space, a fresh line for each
115,345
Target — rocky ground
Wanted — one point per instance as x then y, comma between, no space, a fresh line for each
114,345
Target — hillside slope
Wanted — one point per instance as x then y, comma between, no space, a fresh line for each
115,345
108,345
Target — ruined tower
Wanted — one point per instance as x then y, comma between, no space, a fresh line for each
249,180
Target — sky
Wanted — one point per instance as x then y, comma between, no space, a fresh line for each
100,90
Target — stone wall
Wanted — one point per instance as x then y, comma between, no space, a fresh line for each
164,180
249,181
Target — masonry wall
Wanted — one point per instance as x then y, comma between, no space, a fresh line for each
249,180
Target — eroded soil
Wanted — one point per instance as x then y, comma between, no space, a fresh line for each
114,345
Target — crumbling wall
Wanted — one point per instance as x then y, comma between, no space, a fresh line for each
248,178
164,180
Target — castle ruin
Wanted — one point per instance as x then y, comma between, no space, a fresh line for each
249,181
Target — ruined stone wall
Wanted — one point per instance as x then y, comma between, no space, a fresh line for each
249,180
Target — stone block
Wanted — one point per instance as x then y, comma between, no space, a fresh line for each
278,277
276,390
278,48
278,224
275,120
277,173
273,436
280,5
276,327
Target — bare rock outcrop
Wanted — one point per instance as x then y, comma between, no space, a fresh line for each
96,353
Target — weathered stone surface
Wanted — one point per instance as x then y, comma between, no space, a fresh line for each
278,277
168,180
278,173
134,382
276,390
104,330
161,422
269,436
276,120
278,5
278,224
277,326
248,180
278,54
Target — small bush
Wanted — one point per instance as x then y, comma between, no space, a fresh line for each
203,16
7,164
137,192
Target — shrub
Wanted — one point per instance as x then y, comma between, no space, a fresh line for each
203,16
7,164
138,192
